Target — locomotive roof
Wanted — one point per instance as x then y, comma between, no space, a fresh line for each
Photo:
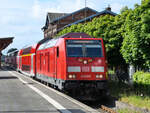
44,40
75,35
49,42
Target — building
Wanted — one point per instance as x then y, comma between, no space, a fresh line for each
87,19
56,22
4,42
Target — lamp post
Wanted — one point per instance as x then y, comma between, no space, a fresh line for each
85,10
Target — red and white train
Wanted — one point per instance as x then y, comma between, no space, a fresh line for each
74,62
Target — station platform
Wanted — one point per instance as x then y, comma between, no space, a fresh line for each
21,94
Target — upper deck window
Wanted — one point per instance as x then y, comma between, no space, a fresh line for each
84,48
48,44
26,51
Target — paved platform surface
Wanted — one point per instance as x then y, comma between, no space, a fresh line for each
21,94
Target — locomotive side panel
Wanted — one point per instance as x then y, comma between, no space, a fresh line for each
46,64
60,52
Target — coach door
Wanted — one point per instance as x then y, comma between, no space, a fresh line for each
44,64
55,63
32,65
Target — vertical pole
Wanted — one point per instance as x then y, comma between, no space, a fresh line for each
131,72
85,11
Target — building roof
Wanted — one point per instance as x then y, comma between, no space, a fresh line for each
51,17
91,17
54,17
4,42
86,8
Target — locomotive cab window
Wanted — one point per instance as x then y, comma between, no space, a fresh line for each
93,50
84,48
74,50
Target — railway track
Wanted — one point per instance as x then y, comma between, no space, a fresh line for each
107,109
102,105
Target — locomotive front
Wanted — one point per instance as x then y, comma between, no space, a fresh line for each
86,67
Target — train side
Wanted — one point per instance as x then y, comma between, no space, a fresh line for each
51,63
74,62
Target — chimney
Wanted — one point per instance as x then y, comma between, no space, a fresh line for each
108,8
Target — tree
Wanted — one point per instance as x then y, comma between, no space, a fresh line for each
135,48
124,9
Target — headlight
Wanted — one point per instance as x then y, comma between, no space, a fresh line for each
99,76
72,76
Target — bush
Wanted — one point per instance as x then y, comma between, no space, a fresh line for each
142,82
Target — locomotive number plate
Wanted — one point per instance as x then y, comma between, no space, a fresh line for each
85,69
85,76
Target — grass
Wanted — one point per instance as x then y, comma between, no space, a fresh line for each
126,93
126,111
142,102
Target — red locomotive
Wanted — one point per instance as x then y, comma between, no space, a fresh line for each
74,62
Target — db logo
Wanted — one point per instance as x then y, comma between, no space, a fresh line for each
99,61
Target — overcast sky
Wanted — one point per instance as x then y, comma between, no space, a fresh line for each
23,19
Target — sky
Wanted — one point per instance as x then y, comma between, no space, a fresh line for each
23,19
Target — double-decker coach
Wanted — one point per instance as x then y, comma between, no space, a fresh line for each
26,60
74,62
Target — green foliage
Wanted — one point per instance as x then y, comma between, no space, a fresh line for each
126,110
142,82
137,101
136,43
124,9
141,78
126,93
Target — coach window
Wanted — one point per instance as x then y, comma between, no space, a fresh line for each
57,51
48,61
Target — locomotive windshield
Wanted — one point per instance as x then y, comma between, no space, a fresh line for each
84,48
